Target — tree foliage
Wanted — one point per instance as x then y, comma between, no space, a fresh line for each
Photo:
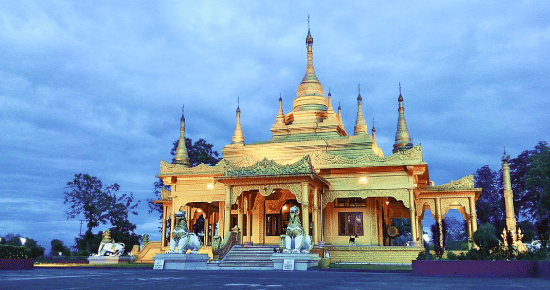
490,206
99,204
31,245
59,248
538,181
456,234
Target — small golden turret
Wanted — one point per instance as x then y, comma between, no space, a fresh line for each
238,137
402,138
181,150
360,124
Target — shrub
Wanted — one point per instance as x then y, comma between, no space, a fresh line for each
14,252
486,238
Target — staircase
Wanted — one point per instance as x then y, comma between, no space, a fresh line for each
248,258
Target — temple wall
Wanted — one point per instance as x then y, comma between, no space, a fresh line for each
370,226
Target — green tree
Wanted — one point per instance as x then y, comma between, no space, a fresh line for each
59,247
87,195
99,205
528,229
486,238
198,152
538,180
527,194
490,206
456,233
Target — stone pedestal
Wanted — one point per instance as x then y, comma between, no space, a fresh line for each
181,261
294,261
108,259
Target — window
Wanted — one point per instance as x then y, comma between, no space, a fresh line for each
350,223
350,202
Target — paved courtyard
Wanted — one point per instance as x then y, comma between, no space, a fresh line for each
131,278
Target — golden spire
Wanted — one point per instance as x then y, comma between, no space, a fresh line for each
238,137
181,150
373,131
280,120
310,94
360,124
329,101
402,138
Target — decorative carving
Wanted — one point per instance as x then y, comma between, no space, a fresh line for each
399,194
448,203
165,194
270,167
168,169
266,190
321,158
465,183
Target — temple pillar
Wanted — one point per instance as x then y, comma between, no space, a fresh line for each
221,220
206,231
227,213
248,219
163,239
414,233
473,214
438,219
305,207
261,220
469,227
172,220
240,213
315,216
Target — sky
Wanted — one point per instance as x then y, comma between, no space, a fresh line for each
97,87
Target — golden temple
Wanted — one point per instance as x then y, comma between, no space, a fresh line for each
343,184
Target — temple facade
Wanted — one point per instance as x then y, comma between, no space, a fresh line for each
342,183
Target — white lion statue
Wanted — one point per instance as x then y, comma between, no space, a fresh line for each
295,241
182,238
108,247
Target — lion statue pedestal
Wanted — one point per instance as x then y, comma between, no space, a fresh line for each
185,241
295,247
109,252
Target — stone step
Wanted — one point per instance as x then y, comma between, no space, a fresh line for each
249,257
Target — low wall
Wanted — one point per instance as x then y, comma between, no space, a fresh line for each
373,254
16,264
511,269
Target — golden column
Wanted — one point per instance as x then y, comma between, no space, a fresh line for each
316,216
227,213
305,207
173,218
438,219
163,238
248,219
240,213
508,195
473,215
414,233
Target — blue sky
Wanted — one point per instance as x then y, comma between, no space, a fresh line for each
97,87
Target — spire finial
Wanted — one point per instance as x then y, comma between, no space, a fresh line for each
238,137
403,140
308,21
181,150
280,97
505,157
360,124
339,108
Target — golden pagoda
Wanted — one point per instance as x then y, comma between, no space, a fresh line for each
343,184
